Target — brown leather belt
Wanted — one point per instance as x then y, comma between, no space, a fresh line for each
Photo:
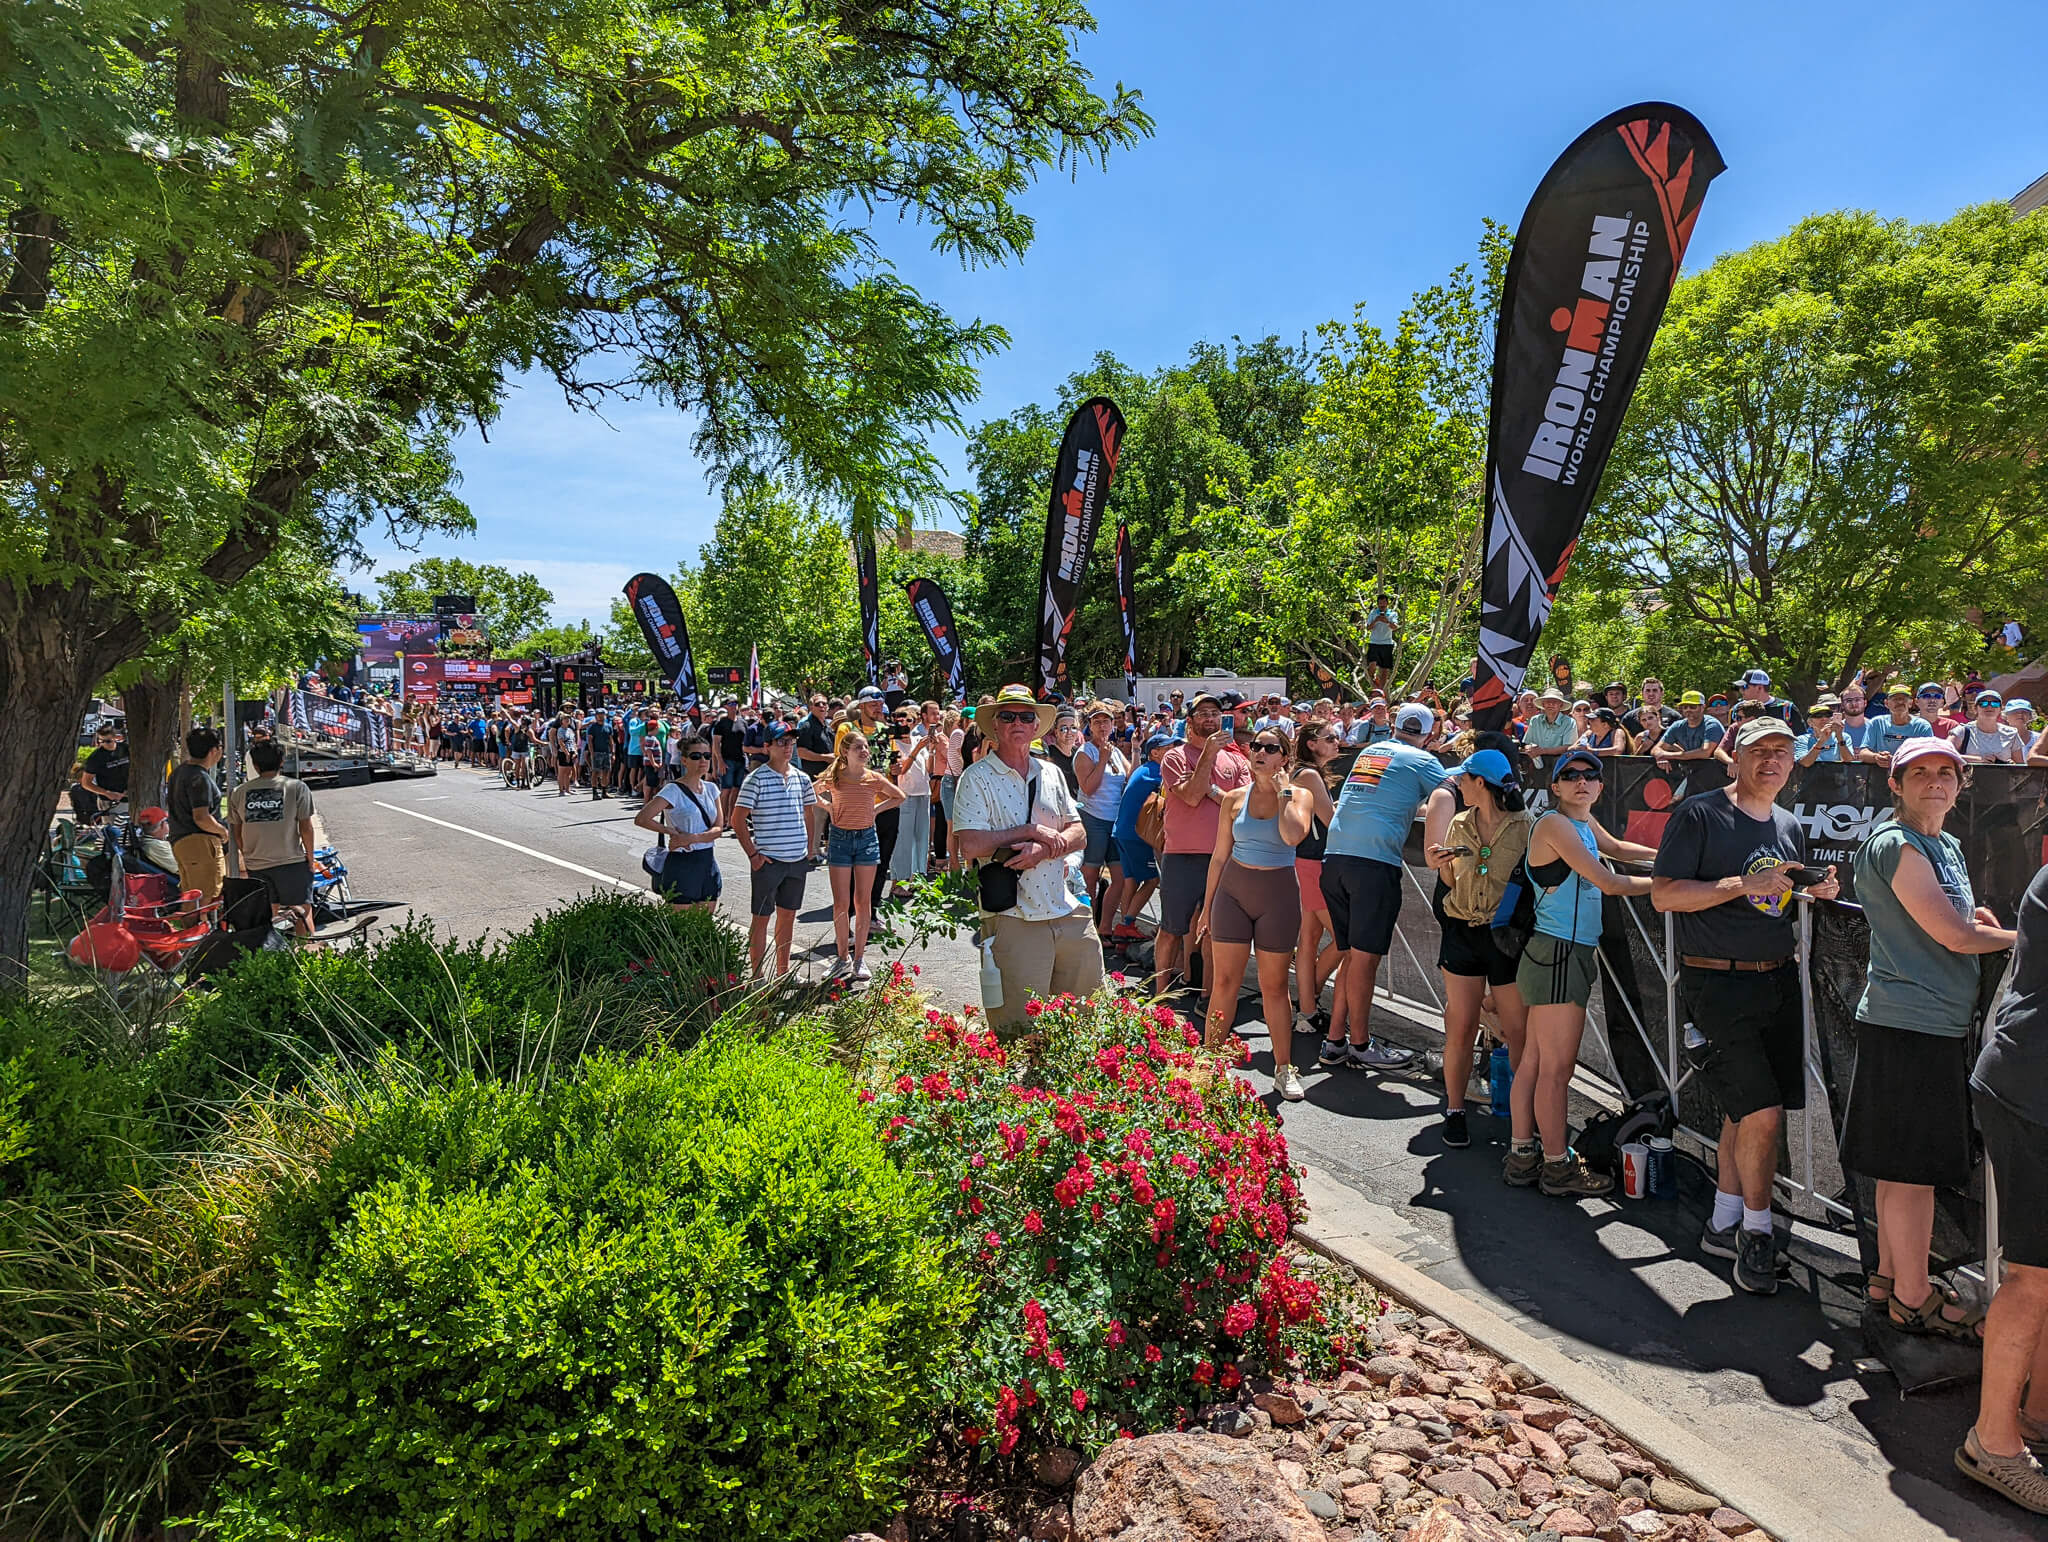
1739,965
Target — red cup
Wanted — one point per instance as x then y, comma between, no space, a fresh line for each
1635,1170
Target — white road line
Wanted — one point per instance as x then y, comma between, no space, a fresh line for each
497,840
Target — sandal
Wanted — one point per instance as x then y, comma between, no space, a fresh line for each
1931,1317
1878,1290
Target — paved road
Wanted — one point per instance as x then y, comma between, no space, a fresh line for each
1620,1285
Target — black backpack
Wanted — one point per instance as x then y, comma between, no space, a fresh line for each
1600,1142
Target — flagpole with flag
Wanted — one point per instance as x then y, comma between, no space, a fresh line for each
754,678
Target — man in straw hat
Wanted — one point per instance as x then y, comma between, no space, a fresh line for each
1014,810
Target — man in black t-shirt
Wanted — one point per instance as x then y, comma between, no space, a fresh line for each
813,754
1723,867
1652,717
598,738
103,779
192,800
728,755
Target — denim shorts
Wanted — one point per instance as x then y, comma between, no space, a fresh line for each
1101,848
853,848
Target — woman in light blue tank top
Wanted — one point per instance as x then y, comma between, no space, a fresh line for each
1254,900
1557,971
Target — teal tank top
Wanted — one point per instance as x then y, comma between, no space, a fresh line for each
1571,911
1256,842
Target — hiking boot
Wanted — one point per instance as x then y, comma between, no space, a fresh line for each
1287,1082
1570,1178
1331,1055
1377,1055
1521,1168
2019,1478
1456,1136
1756,1264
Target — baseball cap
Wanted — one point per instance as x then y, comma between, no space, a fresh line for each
1898,688
1414,718
1755,677
1158,742
1204,698
2019,704
772,730
1931,688
152,814
1228,699
1585,755
1614,685
1920,749
1692,699
869,693
1822,706
1758,729
1990,699
1490,766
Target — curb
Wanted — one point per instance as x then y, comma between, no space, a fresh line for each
1711,1471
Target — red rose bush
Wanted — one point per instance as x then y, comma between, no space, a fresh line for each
1125,1201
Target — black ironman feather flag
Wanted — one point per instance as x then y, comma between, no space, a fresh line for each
870,604
934,613
1127,605
1080,490
1594,261
660,616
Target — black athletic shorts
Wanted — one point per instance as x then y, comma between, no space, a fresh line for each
1364,901
779,886
1379,655
290,883
1467,948
2017,1150
1755,1054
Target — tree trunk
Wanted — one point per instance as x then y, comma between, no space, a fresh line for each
45,688
152,704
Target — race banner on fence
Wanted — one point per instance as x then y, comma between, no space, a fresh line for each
1127,606
934,613
1080,491
1594,260
660,614
870,605
337,724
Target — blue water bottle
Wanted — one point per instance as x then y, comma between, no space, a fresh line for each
1501,1077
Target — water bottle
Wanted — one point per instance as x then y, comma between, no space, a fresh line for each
1695,1046
1501,1077
991,977
1663,1168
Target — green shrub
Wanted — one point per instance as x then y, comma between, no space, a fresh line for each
72,1115
685,1294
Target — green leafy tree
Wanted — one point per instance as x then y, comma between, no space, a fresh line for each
777,573
512,605
1835,456
1379,495
263,259
558,640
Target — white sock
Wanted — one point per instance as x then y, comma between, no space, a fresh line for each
1757,1220
1727,1210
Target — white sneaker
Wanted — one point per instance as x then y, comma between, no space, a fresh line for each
862,974
1287,1082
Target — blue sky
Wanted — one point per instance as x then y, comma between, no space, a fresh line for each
1310,156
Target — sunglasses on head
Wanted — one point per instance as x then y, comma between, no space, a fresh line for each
1016,717
1578,774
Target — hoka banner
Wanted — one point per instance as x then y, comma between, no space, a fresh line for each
1594,261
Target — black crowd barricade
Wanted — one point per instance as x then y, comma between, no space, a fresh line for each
1632,1042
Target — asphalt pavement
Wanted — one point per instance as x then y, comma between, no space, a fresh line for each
1617,1284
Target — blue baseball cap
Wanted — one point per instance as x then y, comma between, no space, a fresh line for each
1490,766
1159,742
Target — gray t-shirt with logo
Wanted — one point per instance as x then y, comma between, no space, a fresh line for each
268,809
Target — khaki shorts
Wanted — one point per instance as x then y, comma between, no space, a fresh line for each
202,864
1041,958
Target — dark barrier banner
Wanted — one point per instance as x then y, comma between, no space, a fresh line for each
337,724
1127,606
870,605
934,613
660,615
1594,260
1080,490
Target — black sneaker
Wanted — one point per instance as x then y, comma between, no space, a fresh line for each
1332,1054
1756,1264
1455,1134
1726,1242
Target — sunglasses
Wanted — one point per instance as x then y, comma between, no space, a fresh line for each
1262,746
696,755
1576,775
1016,717
1820,716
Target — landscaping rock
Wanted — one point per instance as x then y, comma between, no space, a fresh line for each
1387,1367
1283,1409
1056,1468
1673,1497
1595,1466
1401,1441
1361,1498
1519,1374
1464,1483
1293,1474
1542,1413
1188,1488
1633,1488
1055,1525
1447,1523
1644,1523
1385,1464
1731,1522
1567,1522
1319,1504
